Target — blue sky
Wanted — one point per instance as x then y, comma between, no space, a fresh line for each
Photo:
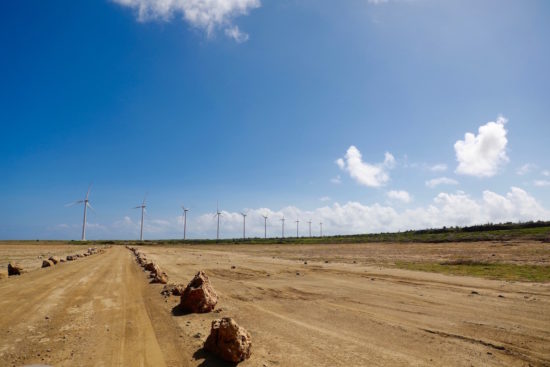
353,114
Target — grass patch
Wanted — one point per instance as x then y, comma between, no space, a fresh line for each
524,273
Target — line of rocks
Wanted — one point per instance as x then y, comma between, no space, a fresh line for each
17,269
227,339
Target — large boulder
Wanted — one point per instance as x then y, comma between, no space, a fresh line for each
14,269
47,263
54,259
228,340
199,296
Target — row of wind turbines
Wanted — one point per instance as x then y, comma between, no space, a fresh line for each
218,214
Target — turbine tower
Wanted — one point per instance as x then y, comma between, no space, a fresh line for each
265,226
185,210
321,225
218,214
86,205
297,222
244,225
142,206
309,228
283,220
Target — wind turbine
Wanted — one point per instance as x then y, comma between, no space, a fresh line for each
321,225
265,226
185,210
244,225
86,205
218,213
283,220
142,206
309,228
297,222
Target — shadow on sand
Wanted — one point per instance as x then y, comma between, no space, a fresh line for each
210,360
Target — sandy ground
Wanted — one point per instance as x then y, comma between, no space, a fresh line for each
101,311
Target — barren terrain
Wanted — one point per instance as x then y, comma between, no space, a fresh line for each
346,307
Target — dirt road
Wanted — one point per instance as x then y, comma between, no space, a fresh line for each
97,311
102,311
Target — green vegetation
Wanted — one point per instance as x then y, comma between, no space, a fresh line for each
500,271
539,231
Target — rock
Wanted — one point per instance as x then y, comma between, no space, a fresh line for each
14,269
70,258
47,263
199,296
150,266
228,340
173,289
54,259
61,260
160,277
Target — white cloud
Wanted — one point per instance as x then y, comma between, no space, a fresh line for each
235,33
482,155
377,2
400,195
325,198
438,167
541,183
546,173
434,182
446,209
526,168
373,175
203,14
336,180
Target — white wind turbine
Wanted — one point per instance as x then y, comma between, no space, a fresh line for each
218,214
309,227
185,210
265,226
297,223
86,205
142,206
321,225
283,220
244,225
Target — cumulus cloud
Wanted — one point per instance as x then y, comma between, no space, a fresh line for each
482,155
546,173
207,15
541,183
434,182
367,174
400,195
325,198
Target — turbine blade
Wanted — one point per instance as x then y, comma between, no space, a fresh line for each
76,202
91,207
145,197
88,192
